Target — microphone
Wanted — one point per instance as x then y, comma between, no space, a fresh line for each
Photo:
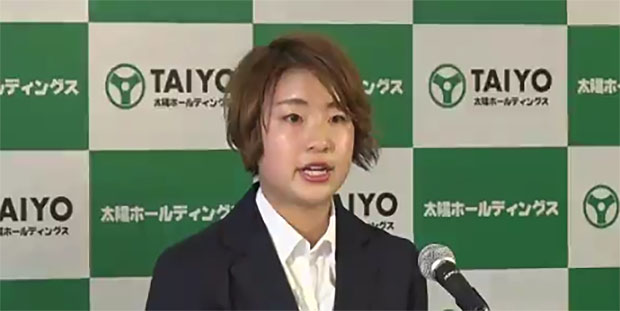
437,263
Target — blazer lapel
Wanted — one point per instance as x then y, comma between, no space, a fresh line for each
258,280
356,268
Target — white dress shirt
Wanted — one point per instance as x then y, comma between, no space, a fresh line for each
311,273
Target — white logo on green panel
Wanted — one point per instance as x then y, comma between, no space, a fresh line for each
598,85
600,206
446,85
125,86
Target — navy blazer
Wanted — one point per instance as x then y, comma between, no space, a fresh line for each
233,264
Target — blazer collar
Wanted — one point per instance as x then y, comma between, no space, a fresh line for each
351,232
258,281
356,265
256,270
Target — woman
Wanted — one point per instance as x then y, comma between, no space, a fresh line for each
297,113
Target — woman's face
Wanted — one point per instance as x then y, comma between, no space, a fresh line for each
307,143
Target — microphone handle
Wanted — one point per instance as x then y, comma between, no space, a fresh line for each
466,297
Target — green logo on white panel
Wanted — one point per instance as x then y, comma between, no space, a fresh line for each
42,216
447,85
600,206
124,86
374,205
490,87
170,88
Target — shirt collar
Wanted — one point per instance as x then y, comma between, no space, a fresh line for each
285,238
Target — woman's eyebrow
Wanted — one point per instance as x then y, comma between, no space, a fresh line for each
303,102
292,101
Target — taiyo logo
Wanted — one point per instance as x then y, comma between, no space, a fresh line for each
125,86
600,206
58,208
385,203
447,85
490,87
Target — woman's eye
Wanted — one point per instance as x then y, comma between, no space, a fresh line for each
339,118
293,118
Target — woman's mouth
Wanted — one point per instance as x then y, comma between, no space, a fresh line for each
316,172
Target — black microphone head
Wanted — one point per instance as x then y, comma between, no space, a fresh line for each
431,257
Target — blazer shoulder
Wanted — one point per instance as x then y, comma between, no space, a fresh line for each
394,245
193,273
185,270
209,243
198,248
400,256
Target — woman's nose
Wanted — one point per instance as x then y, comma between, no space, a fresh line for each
319,138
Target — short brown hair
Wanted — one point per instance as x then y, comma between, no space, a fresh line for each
259,71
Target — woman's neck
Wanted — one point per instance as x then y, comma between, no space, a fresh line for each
311,222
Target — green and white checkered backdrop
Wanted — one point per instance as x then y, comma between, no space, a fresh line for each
498,122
